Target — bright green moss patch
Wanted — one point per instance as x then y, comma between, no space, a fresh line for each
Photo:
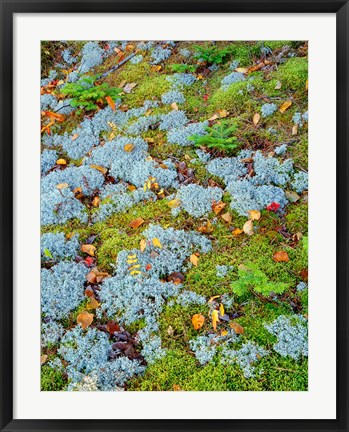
52,379
294,73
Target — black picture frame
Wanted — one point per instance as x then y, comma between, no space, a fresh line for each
8,9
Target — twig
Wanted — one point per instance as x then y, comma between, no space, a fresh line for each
105,74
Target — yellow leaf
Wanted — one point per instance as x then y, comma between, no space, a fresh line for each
254,214
84,319
285,106
197,321
213,298
134,272
306,85
156,242
215,319
248,228
92,304
88,249
224,333
61,162
61,186
194,259
256,118
221,309
136,266
206,228
96,201
217,207
143,245
129,147
174,203
227,217
241,70
132,256
136,223
174,106
223,113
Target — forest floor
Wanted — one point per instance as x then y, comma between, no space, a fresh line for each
185,261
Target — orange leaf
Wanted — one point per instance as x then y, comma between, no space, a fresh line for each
88,249
206,227
95,202
237,231
281,256
215,319
61,162
129,147
92,304
136,223
85,319
197,321
111,103
99,168
54,116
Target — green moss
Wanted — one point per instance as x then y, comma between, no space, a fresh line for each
299,151
151,87
297,218
235,99
52,379
294,73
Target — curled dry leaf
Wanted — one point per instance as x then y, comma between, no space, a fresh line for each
174,203
136,223
129,147
285,106
61,162
99,168
237,231
92,304
206,228
227,217
84,319
281,256
256,118
194,260
88,249
248,228
238,329
217,207
215,319
254,214
197,321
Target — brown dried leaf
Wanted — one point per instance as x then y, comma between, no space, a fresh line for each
217,207
278,85
174,106
84,319
136,223
43,359
256,118
91,277
92,304
281,256
73,138
248,228
95,202
238,329
206,228
227,217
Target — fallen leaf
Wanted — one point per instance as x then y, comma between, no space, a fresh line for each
61,186
197,321
306,85
256,118
214,117
285,106
112,327
241,70
256,67
136,223
129,147
156,68
92,304
61,162
54,116
194,260
223,113
176,277
206,228
121,85
215,319
248,228
89,249
237,231
238,329
221,309
156,242
304,274
213,298
176,387
174,203
78,192
91,277
143,245
292,196
295,130
110,102
281,256
99,168
254,214
227,217
84,319
224,333
129,87
43,359
73,138
278,85
95,202
89,292
174,106
217,207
